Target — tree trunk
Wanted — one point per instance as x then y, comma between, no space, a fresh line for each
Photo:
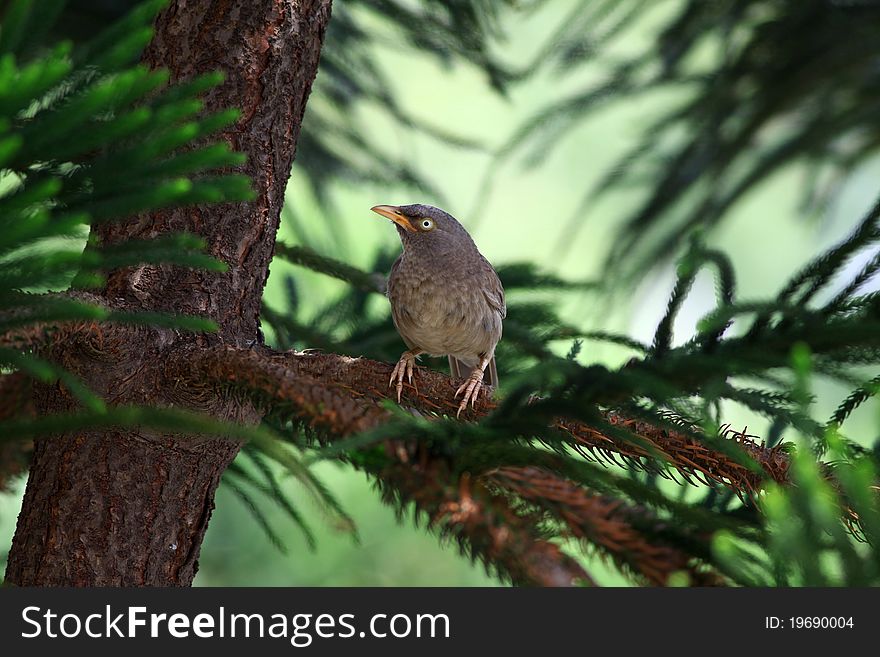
130,507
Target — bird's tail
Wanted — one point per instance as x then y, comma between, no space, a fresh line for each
459,370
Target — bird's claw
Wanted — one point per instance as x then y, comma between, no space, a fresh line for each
404,368
471,388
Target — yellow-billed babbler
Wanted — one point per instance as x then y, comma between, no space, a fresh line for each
446,299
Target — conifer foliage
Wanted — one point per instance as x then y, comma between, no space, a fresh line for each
89,136
634,463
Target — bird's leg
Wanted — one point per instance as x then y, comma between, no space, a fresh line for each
472,385
404,368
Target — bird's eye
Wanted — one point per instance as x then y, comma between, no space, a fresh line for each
427,224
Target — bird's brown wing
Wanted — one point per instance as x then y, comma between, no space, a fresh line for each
399,313
492,290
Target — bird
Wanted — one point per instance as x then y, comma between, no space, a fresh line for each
446,299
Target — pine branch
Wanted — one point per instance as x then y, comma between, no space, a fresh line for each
691,457
521,275
355,380
306,257
632,537
339,397
368,379
344,395
484,524
855,399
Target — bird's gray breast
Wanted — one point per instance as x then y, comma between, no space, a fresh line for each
440,306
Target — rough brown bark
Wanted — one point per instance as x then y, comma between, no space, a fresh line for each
16,400
269,51
123,507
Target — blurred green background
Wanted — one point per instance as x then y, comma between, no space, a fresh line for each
520,215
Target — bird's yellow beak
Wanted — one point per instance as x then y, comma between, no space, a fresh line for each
393,212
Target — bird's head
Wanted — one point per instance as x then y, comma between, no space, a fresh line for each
424,226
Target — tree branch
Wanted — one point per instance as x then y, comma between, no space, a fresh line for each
342,396
311,259
483,523
367,380
688,455
630,536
